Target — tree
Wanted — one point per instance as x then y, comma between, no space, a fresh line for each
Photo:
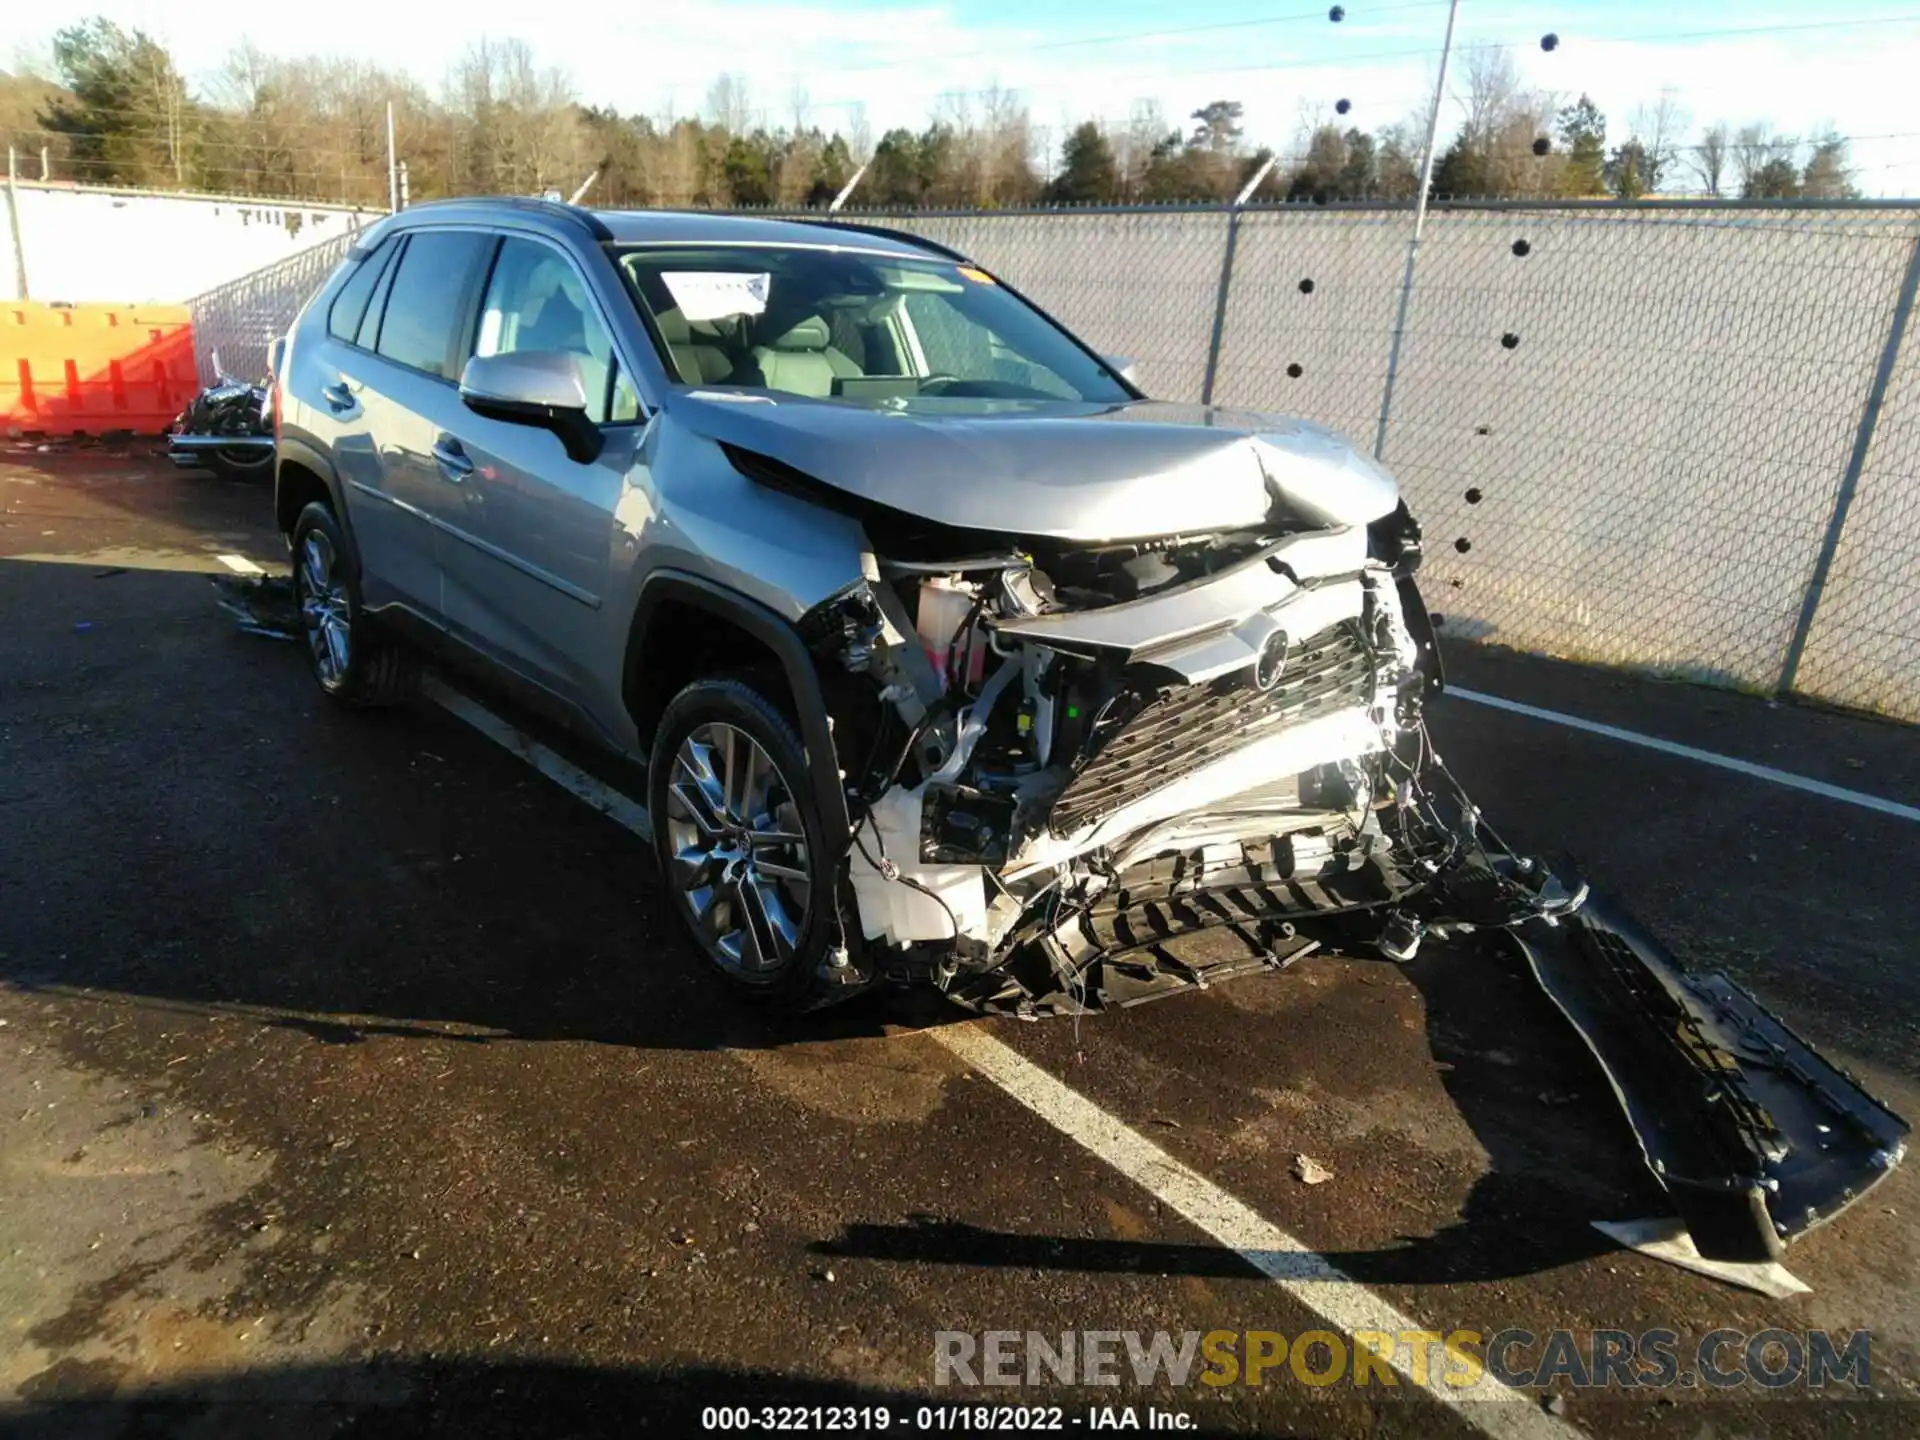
1828,175
1632,171
1319,173
1709,158
1359,177
1583,139
894,176
1763,162
1217,127
1134,147
1655,138
745,171
1088,172
129,118
1775,180
1399,167
728,105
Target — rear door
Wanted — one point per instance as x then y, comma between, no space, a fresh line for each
396,553
528,571
409,385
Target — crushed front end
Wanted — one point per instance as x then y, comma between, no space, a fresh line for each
1076,754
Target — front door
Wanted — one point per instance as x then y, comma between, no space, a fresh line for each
527,570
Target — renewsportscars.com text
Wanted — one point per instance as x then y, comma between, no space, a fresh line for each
1600,1359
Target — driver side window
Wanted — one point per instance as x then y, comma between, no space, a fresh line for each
537,301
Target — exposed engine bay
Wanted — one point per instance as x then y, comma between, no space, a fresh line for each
1059,758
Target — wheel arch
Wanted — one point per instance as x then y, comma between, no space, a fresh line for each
301,475
685,627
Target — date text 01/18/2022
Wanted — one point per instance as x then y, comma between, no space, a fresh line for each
938,1419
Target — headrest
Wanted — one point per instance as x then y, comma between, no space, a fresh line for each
673,326
810,332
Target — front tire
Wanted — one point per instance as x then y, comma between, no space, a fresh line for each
354,665
741,846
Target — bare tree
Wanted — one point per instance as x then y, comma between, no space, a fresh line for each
1708,159
1660,129
729,104
1133,148
1755,148
859,133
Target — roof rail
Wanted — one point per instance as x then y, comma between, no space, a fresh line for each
557,209
887,231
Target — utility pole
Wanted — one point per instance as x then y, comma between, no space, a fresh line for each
393,173
1419,223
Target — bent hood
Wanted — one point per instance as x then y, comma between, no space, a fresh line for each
1061,471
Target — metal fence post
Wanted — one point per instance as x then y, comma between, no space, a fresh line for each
1413,245
1850,482
13,226
1254,182
1220,305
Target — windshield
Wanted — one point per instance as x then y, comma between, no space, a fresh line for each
861,328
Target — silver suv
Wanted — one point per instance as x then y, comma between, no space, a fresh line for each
929,627
953,659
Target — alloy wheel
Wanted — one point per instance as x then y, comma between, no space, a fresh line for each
739,856
324,609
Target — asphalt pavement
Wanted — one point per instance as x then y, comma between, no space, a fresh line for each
354,1080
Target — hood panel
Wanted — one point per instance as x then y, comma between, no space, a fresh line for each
1087,473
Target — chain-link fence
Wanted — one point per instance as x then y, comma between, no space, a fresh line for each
1631,433
240,319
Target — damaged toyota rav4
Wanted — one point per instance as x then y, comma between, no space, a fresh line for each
954,660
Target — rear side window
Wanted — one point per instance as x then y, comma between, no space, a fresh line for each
427,307
350,305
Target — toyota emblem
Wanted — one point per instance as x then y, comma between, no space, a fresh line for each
1272,663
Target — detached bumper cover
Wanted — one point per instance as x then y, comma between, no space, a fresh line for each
1753,1134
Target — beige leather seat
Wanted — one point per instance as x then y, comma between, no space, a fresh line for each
800,359
697,358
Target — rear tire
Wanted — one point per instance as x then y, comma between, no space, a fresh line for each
352,662
240,463
741,846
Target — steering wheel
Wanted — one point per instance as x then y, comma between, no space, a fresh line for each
939,378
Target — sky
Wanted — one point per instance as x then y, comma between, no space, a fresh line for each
1844,64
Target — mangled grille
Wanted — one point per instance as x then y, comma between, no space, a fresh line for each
1189,726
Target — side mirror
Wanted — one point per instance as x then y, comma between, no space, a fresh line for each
1122,365
542,388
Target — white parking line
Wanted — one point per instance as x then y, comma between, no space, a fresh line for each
556,767
240,564
1688,752
1304,1275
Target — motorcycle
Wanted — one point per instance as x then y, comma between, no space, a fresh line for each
227,427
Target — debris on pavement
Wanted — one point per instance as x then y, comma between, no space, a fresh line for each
1309,1171
263,604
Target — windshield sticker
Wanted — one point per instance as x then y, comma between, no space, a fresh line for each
717,294
979,277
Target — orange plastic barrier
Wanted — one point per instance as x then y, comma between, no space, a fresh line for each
94,369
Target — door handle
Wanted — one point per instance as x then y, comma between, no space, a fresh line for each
338,397
454,463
